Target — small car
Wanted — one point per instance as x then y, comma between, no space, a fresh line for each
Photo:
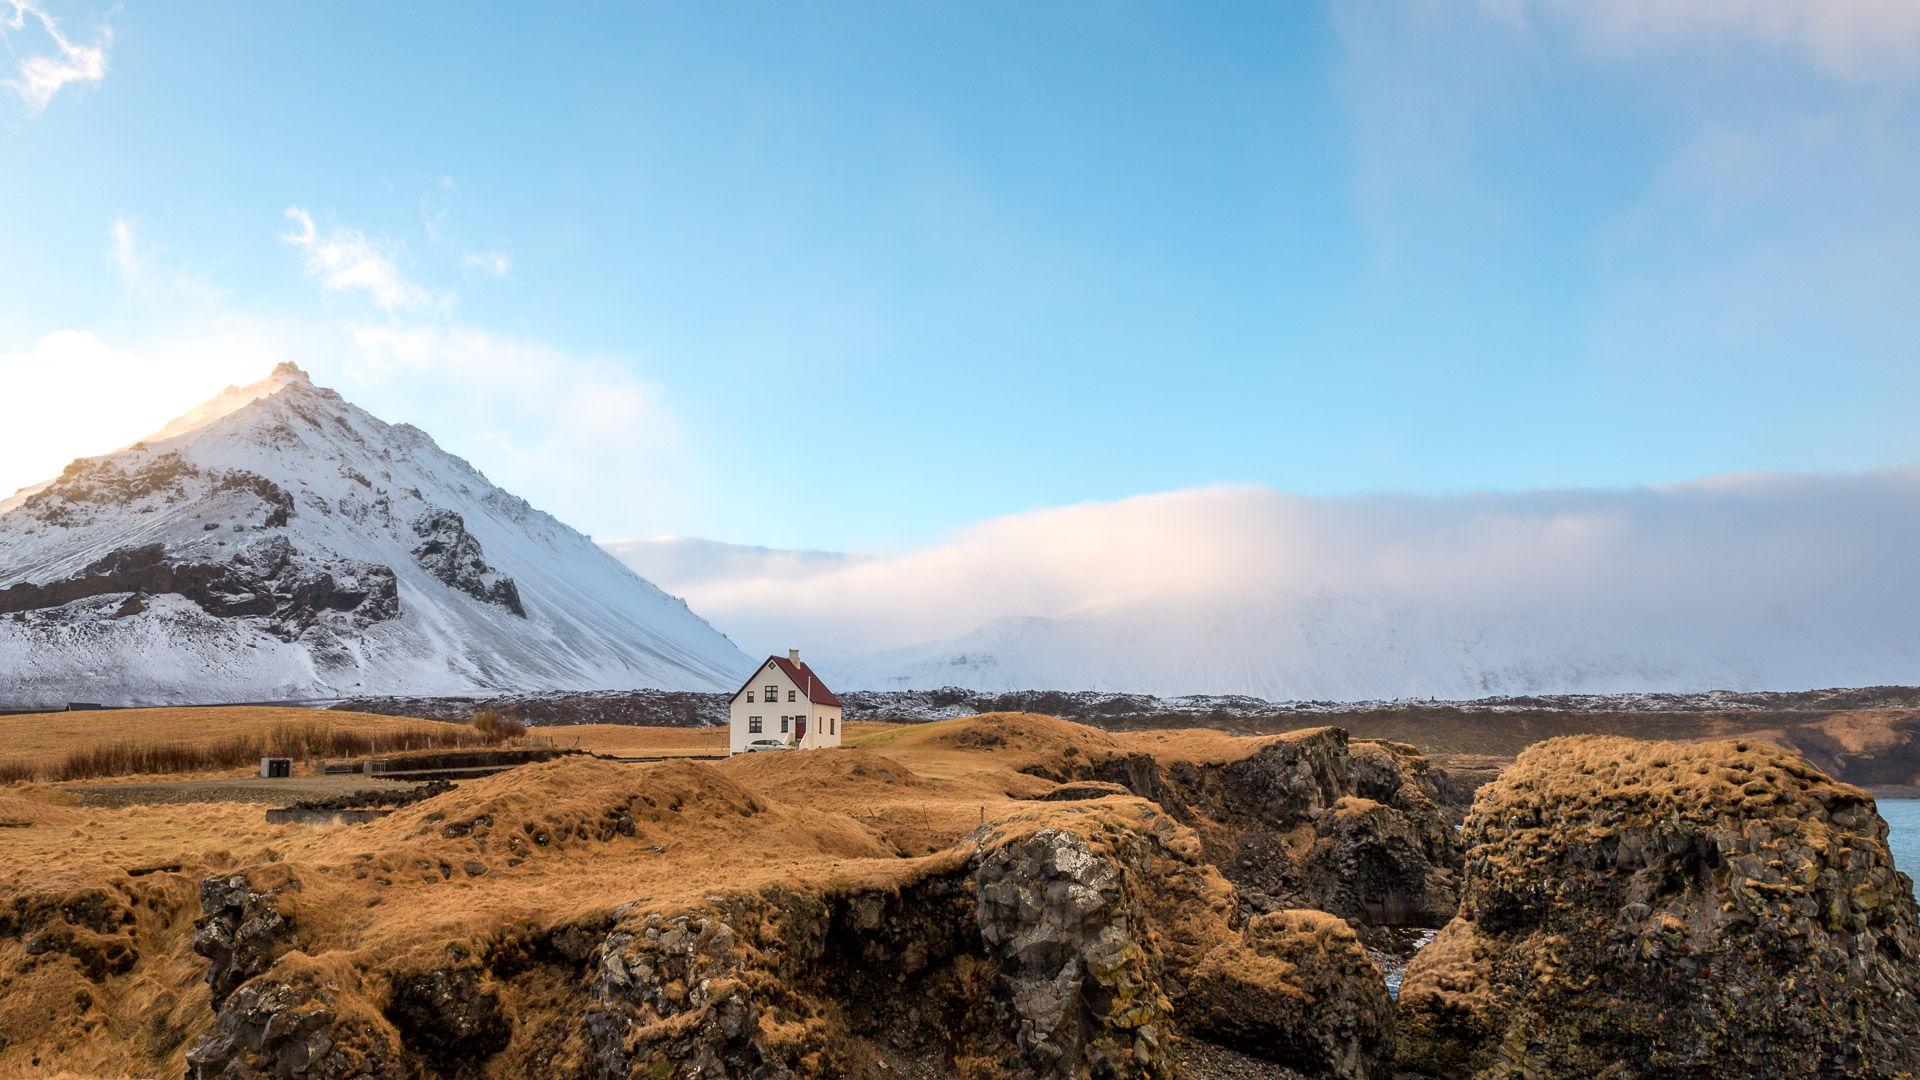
758,745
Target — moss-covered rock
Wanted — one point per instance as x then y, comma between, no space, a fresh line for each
1646,909
1297,988
1309,819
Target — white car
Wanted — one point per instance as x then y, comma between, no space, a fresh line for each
758,745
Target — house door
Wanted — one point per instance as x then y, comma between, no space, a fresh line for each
799,729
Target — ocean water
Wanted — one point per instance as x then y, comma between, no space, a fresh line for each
1903,836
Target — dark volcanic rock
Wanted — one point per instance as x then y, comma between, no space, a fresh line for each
267,580
91,927
452,554
1309,820
241,929
1637,909
450,1015
294,1029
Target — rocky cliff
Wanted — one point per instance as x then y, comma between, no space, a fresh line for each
1309,819
1636,909
1063,941
988,898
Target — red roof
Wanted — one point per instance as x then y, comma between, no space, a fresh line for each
802,676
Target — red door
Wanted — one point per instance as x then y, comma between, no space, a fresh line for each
799,729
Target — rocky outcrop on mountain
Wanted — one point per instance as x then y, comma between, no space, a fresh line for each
1310,819
268,581
1642,909
451,554
91,488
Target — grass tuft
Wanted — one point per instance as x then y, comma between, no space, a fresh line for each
127,757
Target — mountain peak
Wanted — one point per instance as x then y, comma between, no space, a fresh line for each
231,400
277,542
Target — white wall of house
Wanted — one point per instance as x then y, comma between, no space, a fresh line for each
780,717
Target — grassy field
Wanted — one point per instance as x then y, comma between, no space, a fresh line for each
499,857
803,819
167,742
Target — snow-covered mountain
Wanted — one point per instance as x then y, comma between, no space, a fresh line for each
278,542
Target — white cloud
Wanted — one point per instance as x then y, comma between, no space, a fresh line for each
124,253
1770,580
346,259
581,436
1851,39
42,76
491,262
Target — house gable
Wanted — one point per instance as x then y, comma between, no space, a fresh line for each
798,677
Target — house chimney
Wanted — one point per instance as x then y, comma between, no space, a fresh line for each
793,657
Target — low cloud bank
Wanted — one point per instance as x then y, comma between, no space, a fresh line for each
1744,582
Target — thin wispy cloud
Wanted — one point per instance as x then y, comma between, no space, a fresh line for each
41,75
491,262
346,260
1856,40
124,252
582,430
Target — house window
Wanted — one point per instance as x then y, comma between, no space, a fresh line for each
773,693
830,726
753,725
790,694
783,725
749,697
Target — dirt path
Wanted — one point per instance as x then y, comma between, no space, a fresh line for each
279,792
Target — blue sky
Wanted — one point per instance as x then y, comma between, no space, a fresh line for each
852,277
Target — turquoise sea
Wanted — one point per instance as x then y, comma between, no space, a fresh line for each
1903,835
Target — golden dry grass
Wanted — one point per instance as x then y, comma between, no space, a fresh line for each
621,740
538,846
51,736
208,741
1581,774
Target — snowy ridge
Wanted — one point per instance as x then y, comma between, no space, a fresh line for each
1348,650
278,542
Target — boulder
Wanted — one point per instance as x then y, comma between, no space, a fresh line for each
1643,909
1296,989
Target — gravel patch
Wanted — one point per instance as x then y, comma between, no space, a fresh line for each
284,791
1205,1061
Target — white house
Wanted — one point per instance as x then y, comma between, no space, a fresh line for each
785,700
